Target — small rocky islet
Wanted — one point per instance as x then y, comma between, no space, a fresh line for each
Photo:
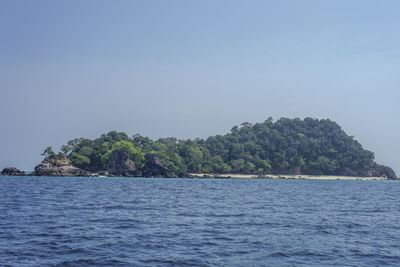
11,171
288,146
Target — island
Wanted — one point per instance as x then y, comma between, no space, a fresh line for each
286,148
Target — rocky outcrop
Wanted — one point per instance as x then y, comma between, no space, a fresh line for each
58,165
11,171
121,165
376,170
155,167
383,171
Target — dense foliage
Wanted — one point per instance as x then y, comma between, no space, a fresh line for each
308,146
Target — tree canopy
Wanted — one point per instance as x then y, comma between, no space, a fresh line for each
295,146
48,152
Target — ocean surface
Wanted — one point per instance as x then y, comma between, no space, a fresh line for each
198,222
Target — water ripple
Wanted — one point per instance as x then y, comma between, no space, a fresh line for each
189,222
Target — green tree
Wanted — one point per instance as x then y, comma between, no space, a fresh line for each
65,149
48,152
79,160
133,152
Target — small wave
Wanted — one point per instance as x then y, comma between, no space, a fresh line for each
169,262
89,262
73,251
225,238
278,254
226,215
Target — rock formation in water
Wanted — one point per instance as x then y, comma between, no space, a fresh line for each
121,165
376,170
58,165
155,167
383,171
11,171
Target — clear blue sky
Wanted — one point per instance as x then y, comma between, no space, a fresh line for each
195,68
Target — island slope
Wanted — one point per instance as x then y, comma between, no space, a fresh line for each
286,146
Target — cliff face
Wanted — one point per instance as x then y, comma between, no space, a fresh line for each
155,167
58,165
121,165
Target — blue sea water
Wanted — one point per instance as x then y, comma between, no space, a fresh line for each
198,222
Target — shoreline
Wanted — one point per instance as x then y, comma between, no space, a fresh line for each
282,176
223,176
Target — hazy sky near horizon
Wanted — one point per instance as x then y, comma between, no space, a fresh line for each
195,68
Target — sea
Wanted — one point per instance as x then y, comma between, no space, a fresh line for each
48,221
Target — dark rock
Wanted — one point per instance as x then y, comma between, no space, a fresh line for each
155,167
383,171
121,165
58,165
11,171
376,170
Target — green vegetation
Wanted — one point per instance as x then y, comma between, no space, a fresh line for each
48,152
295,146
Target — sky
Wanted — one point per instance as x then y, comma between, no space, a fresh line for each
195,68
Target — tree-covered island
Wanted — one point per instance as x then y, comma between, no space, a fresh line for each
286,146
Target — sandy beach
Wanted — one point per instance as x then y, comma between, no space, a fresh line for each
281,176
